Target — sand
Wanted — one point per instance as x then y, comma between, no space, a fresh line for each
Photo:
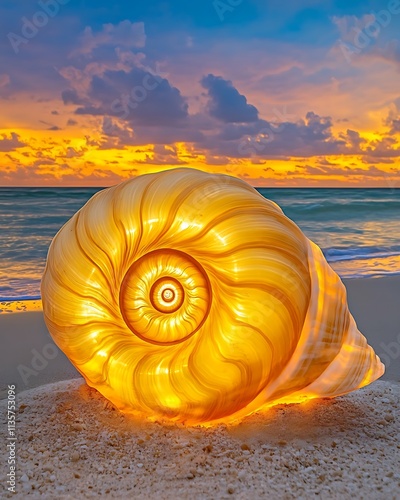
28,356
71,443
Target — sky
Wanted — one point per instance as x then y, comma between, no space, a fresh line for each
295,93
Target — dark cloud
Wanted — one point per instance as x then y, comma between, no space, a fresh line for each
309,137
395,126
73,153
226,103
163,156
136,96
393,119
70,96
123,135
353,137
11,143
90,110
388,147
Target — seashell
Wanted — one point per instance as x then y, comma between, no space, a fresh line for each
188,296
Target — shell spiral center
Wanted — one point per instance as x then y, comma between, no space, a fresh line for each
165,297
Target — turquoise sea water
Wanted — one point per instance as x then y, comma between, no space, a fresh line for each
357,229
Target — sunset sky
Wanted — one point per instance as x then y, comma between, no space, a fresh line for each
294,93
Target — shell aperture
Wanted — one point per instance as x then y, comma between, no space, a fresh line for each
188,296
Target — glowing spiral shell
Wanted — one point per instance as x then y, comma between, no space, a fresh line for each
189,296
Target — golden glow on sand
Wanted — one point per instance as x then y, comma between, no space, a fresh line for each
189,297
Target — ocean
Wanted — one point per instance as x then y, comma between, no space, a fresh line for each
357,229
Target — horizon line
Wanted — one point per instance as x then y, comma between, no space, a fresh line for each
255,187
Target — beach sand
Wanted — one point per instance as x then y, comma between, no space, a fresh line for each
72,444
